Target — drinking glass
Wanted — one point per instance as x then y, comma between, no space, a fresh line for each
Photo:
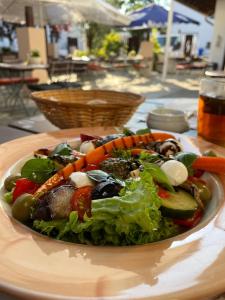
211,108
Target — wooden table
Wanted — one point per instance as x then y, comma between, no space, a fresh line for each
7,133
39,124
22,67
28,144
22,71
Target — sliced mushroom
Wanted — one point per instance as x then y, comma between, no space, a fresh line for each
168,147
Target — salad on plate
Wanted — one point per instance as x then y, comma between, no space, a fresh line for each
122,189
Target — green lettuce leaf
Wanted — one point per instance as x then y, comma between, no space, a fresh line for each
38,169
143,131
62,149
132,218
187,158
158,175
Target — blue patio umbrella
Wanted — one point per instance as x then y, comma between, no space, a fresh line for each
157,16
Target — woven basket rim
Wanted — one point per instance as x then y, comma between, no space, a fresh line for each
38,97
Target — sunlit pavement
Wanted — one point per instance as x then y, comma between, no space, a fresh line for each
178,88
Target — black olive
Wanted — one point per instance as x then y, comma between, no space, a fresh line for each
106,189
41,211
106,139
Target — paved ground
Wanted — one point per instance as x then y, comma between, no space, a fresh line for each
177,87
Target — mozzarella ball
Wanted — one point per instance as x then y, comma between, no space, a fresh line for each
176,172
80,179
87,147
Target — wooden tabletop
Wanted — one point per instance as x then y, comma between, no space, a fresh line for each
7,133
29,143
22,66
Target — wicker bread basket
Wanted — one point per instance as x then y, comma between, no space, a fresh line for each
77,108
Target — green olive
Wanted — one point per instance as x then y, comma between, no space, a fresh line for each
204,192
21,208
10,182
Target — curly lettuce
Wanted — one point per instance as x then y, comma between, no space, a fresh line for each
132,218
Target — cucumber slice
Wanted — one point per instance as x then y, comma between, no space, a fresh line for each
180,205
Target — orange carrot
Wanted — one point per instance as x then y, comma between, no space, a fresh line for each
210,164
98,154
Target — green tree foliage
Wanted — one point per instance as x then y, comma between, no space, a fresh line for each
130,5
95,34
111,45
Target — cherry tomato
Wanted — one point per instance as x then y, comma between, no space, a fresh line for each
191,222
24,185
163,193
196,180
81,201
85,137
198,173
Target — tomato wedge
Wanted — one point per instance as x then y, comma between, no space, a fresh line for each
191,222
163,193
81,201
24,185
196,180
86,137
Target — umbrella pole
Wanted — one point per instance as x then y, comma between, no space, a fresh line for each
41,17
168,35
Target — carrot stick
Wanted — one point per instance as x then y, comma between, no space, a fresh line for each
210,164
98,154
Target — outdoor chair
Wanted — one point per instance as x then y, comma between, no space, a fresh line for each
60,68
10,88
193,67
11,92
96,69
146,51
78,68
171,66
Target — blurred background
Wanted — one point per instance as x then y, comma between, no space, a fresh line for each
155,48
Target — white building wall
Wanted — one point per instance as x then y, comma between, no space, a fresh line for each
75,31
217,54
203,32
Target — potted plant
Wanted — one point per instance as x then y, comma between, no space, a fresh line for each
111,46
157,50
34,57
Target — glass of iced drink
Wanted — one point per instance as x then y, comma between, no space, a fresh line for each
211,108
